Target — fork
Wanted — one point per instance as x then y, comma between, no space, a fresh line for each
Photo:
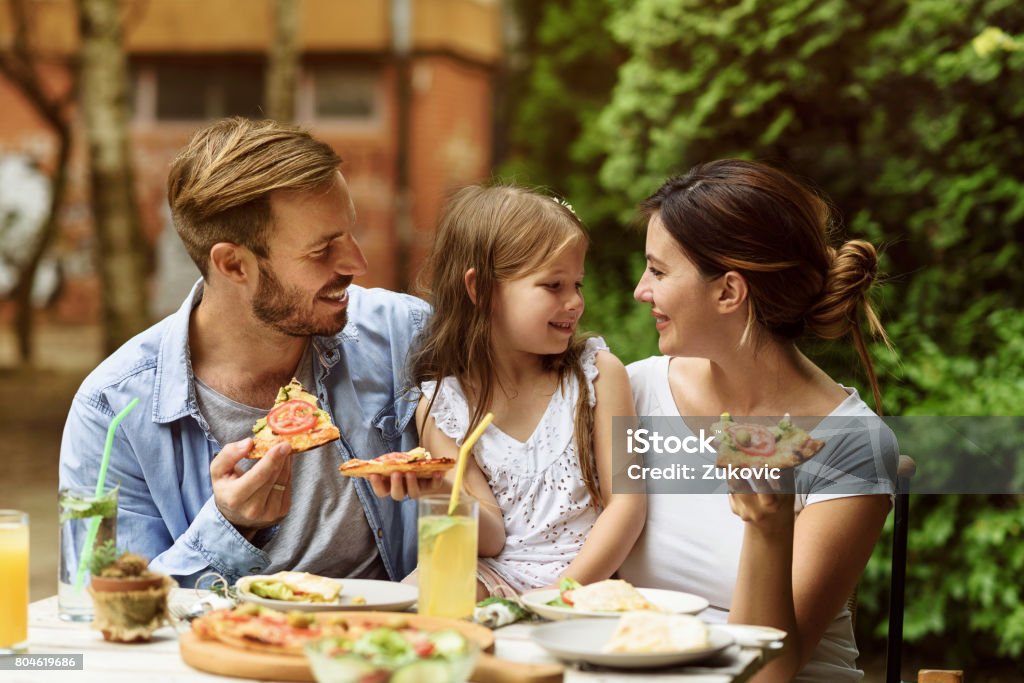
184,614
181,617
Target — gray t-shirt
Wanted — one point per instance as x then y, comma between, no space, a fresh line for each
326,531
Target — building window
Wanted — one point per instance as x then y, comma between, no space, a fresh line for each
183,91
341,93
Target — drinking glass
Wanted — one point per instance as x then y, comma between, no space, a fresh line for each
78,508
13,581
447,557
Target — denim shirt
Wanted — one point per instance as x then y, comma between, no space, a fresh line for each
163,448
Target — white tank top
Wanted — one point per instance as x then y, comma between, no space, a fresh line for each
692,542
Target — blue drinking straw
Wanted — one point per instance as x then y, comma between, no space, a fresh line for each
94,522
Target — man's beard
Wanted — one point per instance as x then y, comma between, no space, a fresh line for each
286,311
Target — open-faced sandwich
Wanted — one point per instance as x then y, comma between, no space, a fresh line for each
291,587
649,633
610,595
418,461
753,445
297,419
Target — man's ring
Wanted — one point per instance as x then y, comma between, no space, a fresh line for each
279,487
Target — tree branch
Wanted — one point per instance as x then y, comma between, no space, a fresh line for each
18,66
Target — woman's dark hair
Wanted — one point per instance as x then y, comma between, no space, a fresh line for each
751,218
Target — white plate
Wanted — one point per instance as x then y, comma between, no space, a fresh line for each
382,596
582,640
748,635
673,602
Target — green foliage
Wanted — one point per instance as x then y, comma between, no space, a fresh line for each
555,103
104,556
626,326
965,558
908,116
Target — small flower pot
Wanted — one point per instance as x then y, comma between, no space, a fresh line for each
128,610
106,584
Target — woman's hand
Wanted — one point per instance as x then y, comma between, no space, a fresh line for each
767,508
769,512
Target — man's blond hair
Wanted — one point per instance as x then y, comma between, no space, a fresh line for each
219,185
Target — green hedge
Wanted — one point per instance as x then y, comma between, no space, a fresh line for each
908,115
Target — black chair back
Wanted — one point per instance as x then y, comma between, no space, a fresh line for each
901,521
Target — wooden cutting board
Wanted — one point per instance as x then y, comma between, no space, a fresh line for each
218,658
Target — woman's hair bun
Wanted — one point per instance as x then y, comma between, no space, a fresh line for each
852,272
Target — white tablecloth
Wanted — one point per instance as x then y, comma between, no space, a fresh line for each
159,661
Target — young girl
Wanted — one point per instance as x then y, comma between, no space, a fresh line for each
505,278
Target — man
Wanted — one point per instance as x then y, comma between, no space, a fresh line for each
265,214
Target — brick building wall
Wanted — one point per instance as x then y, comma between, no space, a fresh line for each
450,127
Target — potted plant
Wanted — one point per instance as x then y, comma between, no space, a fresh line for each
130,600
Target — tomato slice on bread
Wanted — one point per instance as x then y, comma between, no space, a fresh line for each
753,439
292,417
295,419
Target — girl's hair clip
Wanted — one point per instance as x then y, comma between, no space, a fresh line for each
559,200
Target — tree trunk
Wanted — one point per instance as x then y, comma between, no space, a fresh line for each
401,48
283,66
23,327
17,64
121,255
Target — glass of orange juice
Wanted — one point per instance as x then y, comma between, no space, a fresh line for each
447,557
13,581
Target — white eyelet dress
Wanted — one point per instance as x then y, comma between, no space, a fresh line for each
538,484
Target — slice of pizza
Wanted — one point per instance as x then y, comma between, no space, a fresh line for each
297,419
259,629
418,461
743,444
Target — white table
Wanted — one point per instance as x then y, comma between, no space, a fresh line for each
158,661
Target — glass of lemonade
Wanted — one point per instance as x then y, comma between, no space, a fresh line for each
447,557
78,508
13,581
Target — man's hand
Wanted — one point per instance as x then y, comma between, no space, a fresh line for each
257,498
400,485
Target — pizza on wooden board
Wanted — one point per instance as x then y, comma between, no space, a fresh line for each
371,636
296,419
753,445
259,629
418,461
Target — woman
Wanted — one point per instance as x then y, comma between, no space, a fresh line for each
739,268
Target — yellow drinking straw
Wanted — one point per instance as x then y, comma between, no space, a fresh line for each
467,445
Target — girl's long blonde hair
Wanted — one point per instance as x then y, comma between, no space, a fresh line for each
504,233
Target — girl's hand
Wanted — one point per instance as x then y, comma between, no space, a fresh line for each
398,486
550,586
